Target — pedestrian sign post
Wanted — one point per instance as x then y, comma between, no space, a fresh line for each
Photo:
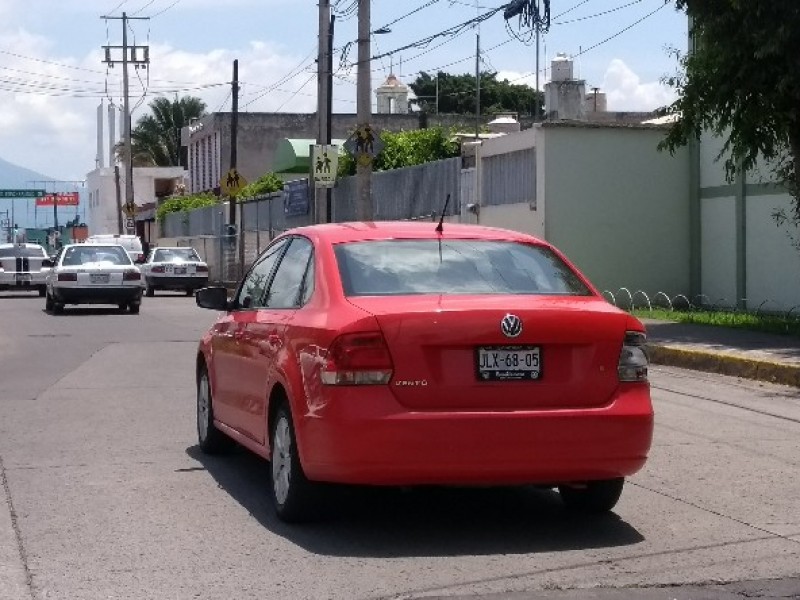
232,183
364,145
325,164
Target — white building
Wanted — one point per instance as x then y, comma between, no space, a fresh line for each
149,185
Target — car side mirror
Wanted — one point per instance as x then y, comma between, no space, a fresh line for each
213,298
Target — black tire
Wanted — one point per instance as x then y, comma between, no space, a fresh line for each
58,308
48,303
210,439
123,306
134,307
293,496
594,497
42,291
190,292
149,290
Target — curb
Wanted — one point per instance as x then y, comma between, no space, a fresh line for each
725,364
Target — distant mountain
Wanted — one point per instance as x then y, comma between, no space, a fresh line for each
16,177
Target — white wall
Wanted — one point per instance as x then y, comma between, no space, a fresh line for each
718,271
773,262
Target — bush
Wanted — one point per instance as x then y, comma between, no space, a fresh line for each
184,204
266,184
406,149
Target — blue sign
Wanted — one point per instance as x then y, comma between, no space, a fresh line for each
296,198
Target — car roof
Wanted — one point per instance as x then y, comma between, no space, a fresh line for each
336,233
22,245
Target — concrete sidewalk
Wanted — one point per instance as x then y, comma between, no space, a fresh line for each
748,354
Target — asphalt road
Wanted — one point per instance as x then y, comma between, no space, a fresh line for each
104,495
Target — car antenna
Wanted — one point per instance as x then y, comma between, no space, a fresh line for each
440,226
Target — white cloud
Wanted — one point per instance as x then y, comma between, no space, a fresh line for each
626,92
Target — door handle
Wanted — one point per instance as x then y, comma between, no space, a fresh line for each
238,335
274,340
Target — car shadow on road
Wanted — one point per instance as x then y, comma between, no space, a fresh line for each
435,521
75,311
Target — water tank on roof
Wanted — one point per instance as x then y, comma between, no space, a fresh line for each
561,68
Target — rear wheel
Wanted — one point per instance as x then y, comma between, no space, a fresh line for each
149,291
190,292
292,494
210,439
134,308
593,497
42,291
48,302
58,308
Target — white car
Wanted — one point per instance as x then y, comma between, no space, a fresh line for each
23,267
93,274
131,243
175,268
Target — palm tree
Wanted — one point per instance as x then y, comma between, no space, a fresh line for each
156,139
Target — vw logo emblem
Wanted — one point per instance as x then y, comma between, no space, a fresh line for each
511,326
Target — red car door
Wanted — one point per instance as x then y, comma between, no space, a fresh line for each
231,350
266,337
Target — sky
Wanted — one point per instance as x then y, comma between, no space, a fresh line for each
52,74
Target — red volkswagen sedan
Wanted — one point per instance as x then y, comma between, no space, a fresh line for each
399,354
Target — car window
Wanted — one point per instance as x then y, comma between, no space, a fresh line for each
23,252
175,254
398,267
89,253
252,291
286,289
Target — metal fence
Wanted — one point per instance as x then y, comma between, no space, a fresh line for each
402,194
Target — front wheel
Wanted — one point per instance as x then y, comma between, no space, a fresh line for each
292,494
592,497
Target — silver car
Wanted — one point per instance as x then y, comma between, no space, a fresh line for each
176,268
93,274
23,267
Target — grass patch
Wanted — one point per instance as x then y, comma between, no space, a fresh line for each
737,320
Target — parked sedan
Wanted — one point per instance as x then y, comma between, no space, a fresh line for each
174,269
23,268
93,274
397,354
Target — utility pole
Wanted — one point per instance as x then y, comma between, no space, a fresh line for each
120,230
329,128
536,102
477,86
364,205
234,135
323,94
130,55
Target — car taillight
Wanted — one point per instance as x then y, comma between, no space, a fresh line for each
358,359
131,276
202,269
633,360
68,277
158,269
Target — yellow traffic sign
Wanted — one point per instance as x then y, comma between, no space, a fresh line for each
232,183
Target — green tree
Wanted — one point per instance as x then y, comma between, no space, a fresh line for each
456,94
156,138
406,149
266,184
184,204
742,82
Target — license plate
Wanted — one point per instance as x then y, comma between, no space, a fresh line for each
23,278
508,363
168,268
98,278
180,270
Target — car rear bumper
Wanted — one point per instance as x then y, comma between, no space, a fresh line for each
177,282
354,439
12,280
109,295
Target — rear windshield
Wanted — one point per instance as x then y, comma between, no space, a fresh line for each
174,254
23,252
401,267
95,253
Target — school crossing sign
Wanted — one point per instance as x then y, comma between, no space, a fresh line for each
324,164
